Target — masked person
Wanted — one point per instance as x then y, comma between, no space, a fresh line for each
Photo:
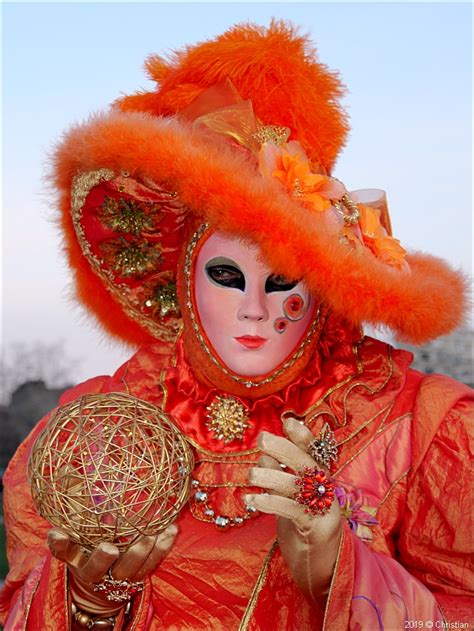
202,224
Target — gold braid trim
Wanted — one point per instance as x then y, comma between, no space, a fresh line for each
140,607
289,412
66,590
370,390
333,579
374,437
381,429
257,588
329,391
393,485
385,412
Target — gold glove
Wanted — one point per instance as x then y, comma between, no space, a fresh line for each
87,569
308,542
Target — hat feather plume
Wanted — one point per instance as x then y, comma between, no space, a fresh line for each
275,67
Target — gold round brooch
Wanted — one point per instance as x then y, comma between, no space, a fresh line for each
227,419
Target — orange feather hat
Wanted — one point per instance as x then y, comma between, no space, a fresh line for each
241,133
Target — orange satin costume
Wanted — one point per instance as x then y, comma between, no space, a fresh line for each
240,136
403,444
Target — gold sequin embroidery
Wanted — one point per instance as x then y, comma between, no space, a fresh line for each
274,134
82,184
129,258
128,216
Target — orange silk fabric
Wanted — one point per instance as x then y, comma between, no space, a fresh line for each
403,444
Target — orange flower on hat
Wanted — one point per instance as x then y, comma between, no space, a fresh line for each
294,171
375,237
348,234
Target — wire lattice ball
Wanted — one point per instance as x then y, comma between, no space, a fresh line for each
110,467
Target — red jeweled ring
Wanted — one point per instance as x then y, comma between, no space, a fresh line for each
116,590
315,491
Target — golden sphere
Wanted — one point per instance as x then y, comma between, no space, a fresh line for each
110,467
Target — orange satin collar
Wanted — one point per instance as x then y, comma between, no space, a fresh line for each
187,398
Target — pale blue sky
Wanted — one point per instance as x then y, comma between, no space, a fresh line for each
407,66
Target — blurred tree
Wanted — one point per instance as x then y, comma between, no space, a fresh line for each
32,378
23,362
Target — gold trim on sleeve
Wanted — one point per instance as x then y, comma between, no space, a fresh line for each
331,587
140,607
124,379
66,595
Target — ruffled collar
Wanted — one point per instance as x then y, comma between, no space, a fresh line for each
189,386
187,399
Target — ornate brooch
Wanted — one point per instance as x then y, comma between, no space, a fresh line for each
227,419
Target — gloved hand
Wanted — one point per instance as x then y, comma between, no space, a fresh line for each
88,568
309,543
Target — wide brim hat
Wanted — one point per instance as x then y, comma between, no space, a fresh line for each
242,134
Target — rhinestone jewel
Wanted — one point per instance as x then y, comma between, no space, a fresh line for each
200,496
166,297
221,521
202,509
324,447
227,418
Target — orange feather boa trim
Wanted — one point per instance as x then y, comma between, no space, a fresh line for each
221,186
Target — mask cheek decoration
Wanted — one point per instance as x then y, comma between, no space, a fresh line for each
280,325
294,309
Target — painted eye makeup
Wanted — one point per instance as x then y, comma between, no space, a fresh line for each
277,282
225,272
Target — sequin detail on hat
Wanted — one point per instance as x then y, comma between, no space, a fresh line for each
130,232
